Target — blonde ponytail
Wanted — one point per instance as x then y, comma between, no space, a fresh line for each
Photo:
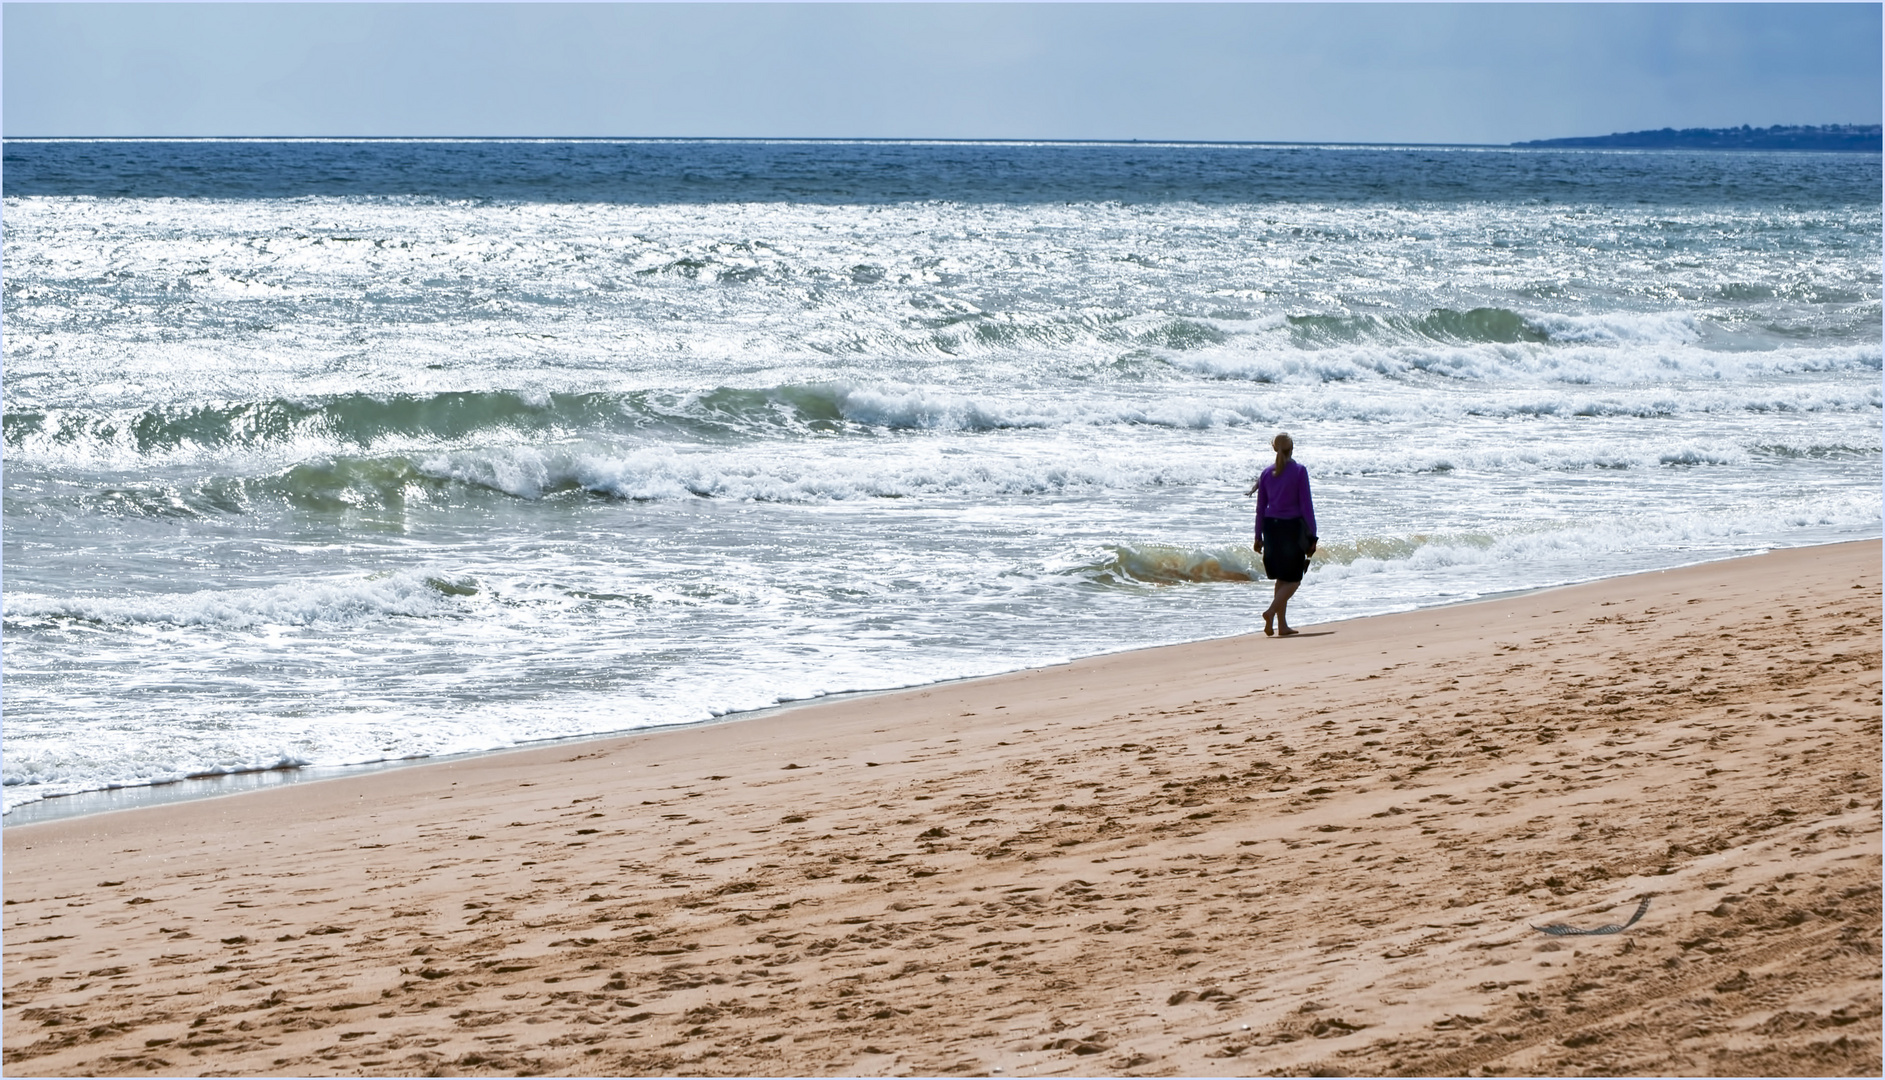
1285,447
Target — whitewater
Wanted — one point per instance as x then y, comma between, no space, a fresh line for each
333,453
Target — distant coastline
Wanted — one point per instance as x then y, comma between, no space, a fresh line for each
1861,138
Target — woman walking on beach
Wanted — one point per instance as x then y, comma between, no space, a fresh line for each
1286,530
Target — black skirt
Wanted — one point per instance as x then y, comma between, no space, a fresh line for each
1285,548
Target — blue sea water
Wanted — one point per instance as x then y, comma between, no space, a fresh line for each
330,452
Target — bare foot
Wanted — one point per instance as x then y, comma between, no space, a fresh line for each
1284,631
1268,629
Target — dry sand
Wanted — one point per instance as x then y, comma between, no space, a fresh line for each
1235,857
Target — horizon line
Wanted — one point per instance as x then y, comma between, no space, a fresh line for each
1530,145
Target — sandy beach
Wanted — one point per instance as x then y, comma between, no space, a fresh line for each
1319,856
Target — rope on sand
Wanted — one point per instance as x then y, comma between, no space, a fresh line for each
1560,929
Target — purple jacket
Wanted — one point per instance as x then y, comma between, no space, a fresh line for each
1285,496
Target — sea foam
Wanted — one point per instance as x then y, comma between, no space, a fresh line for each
413,594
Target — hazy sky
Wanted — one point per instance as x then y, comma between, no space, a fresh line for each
1339,72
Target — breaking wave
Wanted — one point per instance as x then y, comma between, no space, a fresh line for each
721,416
1166,564
403,593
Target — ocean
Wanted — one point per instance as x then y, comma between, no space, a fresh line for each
327,453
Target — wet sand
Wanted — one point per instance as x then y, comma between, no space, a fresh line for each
1324,854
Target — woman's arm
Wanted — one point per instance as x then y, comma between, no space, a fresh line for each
1263,499
1308,505
1308,512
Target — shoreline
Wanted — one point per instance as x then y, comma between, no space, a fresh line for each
1230,857
126,797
